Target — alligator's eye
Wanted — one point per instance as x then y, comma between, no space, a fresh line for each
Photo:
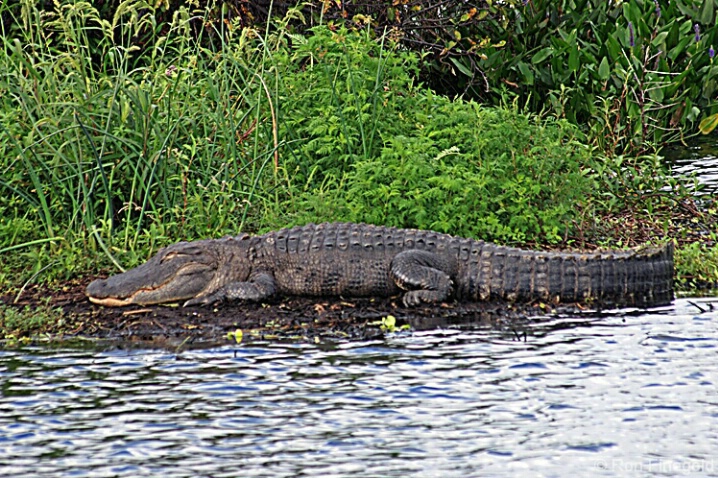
180,253
171,255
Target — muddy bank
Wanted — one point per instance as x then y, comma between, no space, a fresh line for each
283,318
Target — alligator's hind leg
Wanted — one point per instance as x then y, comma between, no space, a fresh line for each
423,274
259,286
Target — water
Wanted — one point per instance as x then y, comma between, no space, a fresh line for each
623,394
698,161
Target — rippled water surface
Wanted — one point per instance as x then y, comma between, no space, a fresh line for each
621,394
699,162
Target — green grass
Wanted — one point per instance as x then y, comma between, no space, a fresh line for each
125,150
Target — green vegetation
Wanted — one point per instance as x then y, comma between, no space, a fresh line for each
636,72
367,145
699,266
387,324
632,74
109,150
17,324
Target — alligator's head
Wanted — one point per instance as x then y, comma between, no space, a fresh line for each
179,272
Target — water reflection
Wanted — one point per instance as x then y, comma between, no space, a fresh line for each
618,394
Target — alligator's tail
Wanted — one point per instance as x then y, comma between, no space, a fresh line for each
638,277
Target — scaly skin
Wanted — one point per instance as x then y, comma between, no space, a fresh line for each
352,260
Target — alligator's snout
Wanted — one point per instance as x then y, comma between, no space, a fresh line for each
99,292
96,287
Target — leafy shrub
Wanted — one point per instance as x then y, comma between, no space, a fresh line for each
340,95
498,175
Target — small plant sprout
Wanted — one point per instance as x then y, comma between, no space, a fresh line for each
236,336
388,325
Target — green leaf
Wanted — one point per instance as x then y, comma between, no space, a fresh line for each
656,94
236,335
709,87
660,38
632,12
708,124
693,113
685,9
526,71
707,12
461,67
676,51
389,322
541,55
604,71
614,48
673,32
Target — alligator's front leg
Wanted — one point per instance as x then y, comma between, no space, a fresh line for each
423,274
258,286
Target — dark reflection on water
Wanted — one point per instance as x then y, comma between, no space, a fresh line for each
617,395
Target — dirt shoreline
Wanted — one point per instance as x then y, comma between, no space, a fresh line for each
282,318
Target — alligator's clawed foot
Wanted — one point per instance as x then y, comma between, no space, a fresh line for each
417,297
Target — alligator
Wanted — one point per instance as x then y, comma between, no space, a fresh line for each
351,260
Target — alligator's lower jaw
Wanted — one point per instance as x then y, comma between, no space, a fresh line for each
111,301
